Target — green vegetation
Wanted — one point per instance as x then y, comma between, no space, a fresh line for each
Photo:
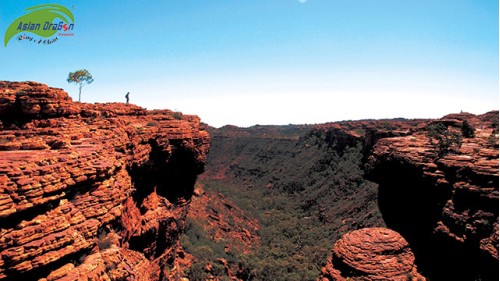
177,115
493,140
152,124
445,140
197,242
293,247
388,126
80,77
305,193
467,130
494,125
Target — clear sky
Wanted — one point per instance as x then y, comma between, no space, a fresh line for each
247,62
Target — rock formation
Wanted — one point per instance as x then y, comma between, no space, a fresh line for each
93,191
442,194
438,187
225,221
371,254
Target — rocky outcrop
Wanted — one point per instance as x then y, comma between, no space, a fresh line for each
438,188
225,221
371,254
94,191
218,233
441,194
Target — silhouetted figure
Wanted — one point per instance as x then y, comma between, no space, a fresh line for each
126,96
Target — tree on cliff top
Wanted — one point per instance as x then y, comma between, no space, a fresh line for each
447,141
80,77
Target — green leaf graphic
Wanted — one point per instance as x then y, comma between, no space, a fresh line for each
39,15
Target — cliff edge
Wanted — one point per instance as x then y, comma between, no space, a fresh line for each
95,191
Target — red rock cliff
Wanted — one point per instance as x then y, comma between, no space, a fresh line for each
93,191
443,196
439,193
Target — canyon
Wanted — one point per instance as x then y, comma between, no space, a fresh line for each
117,192
438,196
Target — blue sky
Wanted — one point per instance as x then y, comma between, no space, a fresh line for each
273,61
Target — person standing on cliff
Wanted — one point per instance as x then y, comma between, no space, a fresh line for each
126,96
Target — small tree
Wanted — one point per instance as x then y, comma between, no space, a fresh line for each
447,141
493,140
80,77
467,130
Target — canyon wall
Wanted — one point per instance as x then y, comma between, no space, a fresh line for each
438,188
93,191
444,204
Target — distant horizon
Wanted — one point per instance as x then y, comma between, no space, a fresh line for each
342,120
349,120
272,62
275,124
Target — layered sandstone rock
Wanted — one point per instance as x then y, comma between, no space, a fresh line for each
443,198
92,190
225,221
371,254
